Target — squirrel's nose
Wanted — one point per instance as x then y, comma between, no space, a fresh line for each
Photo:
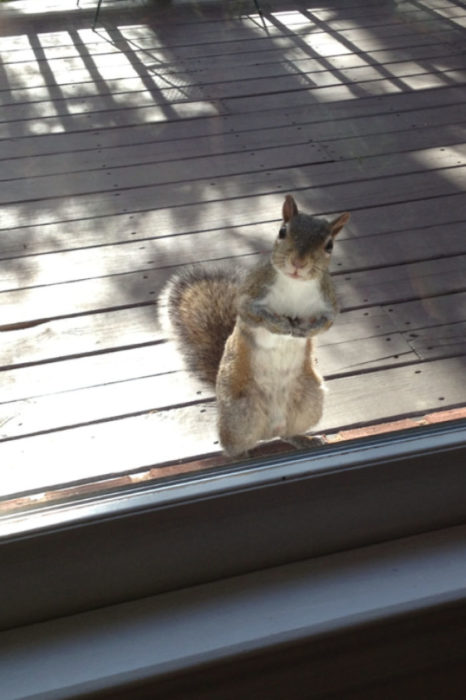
298,263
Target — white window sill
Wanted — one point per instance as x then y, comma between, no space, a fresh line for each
182,630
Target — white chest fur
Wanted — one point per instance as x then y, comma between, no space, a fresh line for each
295,298
278,360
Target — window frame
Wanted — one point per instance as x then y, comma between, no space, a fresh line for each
231,521
377,615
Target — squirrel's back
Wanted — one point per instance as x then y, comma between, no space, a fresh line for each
202,308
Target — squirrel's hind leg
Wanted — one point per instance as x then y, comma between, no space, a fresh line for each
241,415
305,408
240,426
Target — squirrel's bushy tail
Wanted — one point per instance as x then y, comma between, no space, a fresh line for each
201,304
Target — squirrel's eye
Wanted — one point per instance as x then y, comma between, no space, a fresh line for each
329,247
282,232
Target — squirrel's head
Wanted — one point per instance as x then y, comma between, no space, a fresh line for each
304,244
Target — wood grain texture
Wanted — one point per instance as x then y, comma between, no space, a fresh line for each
168,138
138,442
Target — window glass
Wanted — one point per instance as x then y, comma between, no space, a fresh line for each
170,134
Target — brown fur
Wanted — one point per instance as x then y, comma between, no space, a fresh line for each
237,354
202,309
216,314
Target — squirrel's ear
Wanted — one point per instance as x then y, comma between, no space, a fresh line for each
337,225
289,208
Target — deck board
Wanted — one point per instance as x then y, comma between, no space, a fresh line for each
411,177
117,76
388,285
335,120
139,147
170,137
141,442
307,156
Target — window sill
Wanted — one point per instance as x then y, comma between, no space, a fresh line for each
159,639
105,552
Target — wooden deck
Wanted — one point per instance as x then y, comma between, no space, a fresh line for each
171,135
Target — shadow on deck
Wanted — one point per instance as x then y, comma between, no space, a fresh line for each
170,135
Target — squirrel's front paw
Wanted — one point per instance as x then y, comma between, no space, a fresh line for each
320,322
276,323
311,325
298,327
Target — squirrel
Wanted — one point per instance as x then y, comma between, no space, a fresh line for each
250,333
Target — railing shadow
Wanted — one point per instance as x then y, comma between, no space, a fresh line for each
152,148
